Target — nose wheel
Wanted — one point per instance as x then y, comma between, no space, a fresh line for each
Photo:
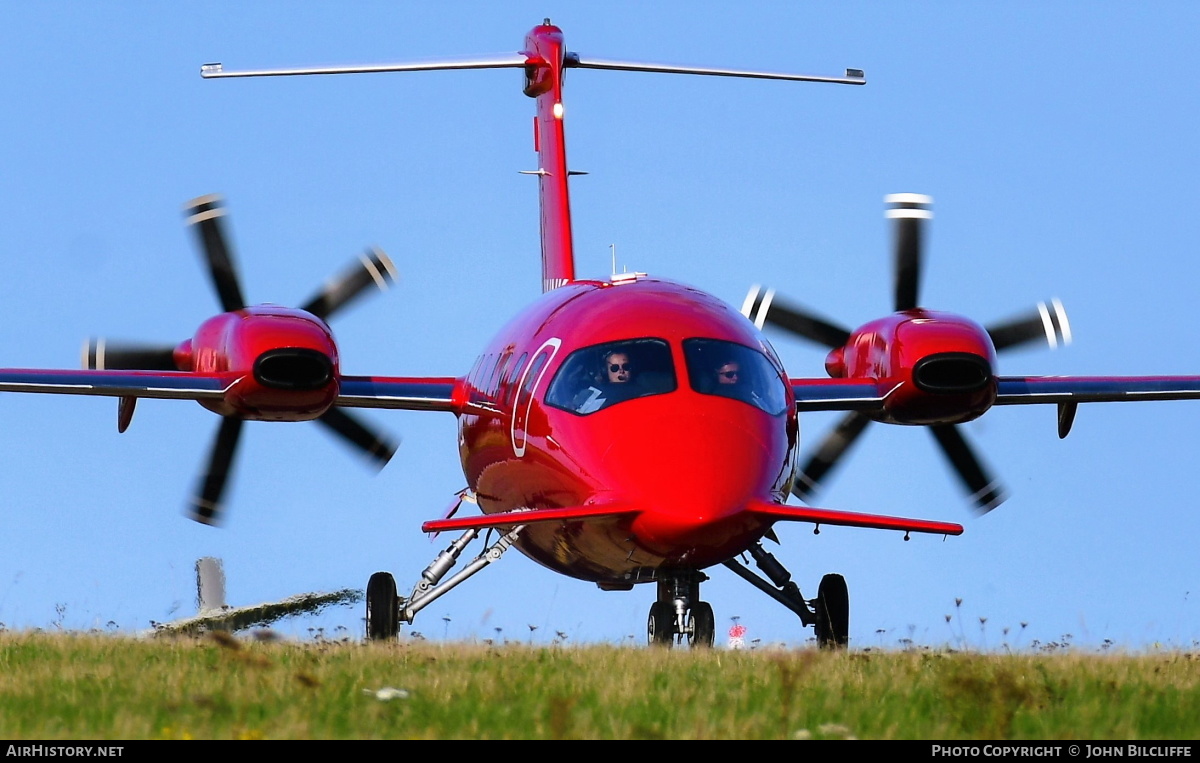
702,626
660,626
679,613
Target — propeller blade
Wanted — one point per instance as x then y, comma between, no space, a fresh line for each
1046,321
100,354
378,449
206,505
910,211
986,492
832,449
205,214
373,267
764,306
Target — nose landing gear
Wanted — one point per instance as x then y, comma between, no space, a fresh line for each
679,614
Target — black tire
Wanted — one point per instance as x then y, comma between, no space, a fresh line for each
833,613
703,626
383,619
660,626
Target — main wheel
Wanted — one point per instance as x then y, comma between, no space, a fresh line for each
383,619
833,613
660,627
702,626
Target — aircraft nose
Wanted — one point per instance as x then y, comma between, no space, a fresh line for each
693,473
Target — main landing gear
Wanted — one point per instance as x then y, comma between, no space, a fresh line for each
678,613
829,613
386,610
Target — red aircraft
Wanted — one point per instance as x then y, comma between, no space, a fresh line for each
580,420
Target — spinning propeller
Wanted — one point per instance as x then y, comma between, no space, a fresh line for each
909,213
204,216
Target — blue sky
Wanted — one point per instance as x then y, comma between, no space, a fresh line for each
1058,142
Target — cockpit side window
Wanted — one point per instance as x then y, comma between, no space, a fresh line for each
727,369
604,375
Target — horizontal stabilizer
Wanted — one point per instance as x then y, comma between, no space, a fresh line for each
782,513
575,61
528,516
502,61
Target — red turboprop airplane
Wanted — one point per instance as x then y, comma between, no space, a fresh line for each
580,420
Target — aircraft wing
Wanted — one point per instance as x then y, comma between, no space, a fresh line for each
1026,390
528,516
783,513
183,385
409,393
839,394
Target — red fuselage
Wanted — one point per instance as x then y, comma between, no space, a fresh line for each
688,457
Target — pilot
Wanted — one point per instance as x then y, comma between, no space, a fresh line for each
615,383
728,373
618,367
731,382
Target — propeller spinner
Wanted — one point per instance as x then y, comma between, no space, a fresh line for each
205,215
910,213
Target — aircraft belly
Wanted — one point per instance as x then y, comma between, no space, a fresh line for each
609,550
587,550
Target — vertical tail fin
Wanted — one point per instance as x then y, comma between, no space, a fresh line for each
545,57
543,60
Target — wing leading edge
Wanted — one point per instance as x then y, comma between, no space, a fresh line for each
442,393
870,395
840,394
180,385
1032,390
408,393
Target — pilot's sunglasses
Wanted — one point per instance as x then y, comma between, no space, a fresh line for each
729,374
614,367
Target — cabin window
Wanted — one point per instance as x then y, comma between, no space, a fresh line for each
498,373
727,369
509,385
473,377
603,375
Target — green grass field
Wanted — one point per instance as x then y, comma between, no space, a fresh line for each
65,686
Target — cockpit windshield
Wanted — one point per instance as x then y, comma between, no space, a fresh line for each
727,369
604,375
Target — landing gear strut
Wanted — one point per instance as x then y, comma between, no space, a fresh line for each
829,613
678,613
386,610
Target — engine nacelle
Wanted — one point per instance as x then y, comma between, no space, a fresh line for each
941,366
287,359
